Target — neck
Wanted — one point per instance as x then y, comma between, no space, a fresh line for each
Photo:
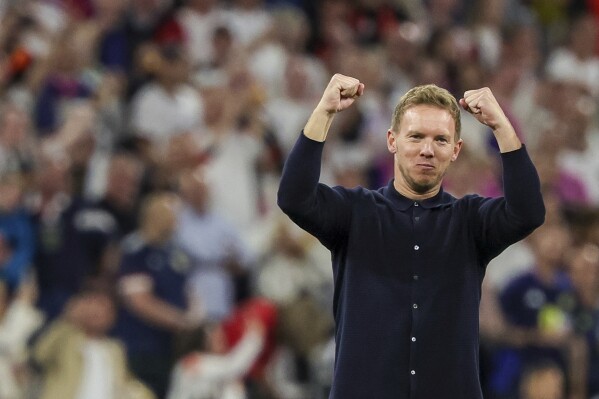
153,236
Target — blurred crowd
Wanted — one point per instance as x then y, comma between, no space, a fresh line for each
142,254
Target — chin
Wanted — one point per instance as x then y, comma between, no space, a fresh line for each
424,185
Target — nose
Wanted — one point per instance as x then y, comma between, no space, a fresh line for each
427,149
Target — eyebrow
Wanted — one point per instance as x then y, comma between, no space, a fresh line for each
417,132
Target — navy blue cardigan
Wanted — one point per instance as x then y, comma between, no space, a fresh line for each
408,274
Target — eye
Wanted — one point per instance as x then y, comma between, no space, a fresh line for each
443,140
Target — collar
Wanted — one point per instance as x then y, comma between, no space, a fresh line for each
404,203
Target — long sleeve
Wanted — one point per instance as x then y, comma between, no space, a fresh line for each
205,375
21,234
46,350
503,221
234,364
323,211
19,322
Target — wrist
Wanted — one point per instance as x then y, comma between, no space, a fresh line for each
507,139
318,124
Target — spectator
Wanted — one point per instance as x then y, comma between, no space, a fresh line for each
151,284
578,63
207,370
168,105
79,360
72,236
16,144
61,82
121,196
200,19
16,231
18,321
286,44
250,21
220,257
535,306
288,112
236,138
584,271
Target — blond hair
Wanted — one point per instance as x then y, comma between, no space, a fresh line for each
428,95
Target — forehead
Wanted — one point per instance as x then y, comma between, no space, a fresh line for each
427,119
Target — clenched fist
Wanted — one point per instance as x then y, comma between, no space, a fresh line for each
341,92
481,103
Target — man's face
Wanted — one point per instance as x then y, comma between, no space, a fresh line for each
423,147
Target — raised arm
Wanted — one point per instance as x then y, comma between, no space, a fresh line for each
341,92
320,210
484,107
503,221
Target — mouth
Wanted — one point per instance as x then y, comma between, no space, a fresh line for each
425,166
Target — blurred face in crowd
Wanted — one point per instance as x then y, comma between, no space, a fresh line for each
584,268
53,175
174,66
547,383
215,105
222,45
124,178
11,191
99,313
549,243
194,189
159,217
424,145
201,5
296,77
14,127
110,6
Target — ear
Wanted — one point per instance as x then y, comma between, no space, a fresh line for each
456,149
391,142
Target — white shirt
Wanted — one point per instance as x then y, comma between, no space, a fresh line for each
199,29
211,241
566,66
159,115
288,118
249,25
584,165
16,326
208,376
231,174
97,377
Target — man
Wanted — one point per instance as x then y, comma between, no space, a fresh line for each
409,259
151,284
78,359
219,257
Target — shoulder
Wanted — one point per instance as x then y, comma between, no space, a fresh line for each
92,218
132,244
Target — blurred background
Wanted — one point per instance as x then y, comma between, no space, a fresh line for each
142,253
